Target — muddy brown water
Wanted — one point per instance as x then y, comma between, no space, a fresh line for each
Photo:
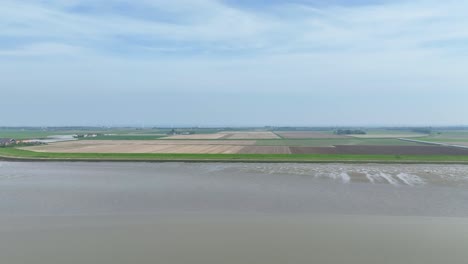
232,213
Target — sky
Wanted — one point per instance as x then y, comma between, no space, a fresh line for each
233,62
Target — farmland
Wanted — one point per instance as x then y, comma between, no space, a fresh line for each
145,146
308,135
228,135
382,133
265,150
371,147
13,153
253,144
124,137
196,136
457,138
328,142
382,150
414,135
249,135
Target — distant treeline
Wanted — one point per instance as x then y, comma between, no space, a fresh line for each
274,128
300,128
88,135
422,130
428,130
350,132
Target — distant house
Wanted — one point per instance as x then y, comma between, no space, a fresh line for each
6,142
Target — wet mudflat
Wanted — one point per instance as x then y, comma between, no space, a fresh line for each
232,213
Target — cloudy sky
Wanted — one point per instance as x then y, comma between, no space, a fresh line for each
233,62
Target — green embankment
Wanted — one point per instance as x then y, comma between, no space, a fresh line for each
24,154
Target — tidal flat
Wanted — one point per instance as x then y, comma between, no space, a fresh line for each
81,212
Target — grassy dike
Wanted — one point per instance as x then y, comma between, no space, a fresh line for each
18,154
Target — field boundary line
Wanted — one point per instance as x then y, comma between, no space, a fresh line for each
433,143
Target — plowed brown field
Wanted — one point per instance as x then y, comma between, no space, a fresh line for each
265,150
381,150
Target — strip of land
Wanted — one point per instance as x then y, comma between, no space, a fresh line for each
249,146
456,144
25,155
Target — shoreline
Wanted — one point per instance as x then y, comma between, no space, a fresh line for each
14,154
97,160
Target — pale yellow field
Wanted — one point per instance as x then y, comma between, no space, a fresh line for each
129,148
248,135
196,136
228,135
200,149
145,146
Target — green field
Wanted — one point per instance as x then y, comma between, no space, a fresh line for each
38,133
442,140
26,134
392,132
334,141
446,137
24,154
158,134
131,133
125,137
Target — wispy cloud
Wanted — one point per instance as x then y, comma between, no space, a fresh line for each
41,49
219,27
301,47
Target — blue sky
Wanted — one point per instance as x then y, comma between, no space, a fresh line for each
234,62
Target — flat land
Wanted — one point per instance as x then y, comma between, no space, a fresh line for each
451,137
382,150
20,154
271,146
460,143
265,150
414,135
459,138
142,146
196,136
189,149
34,133
237,147
228,135
124,137
249,135
252,145
329,142
307,134
229,146
452,134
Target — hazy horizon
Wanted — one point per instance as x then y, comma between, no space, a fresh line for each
233,63
188,126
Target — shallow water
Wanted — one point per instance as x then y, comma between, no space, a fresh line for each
232,213
55,139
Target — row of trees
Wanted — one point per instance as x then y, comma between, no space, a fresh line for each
422,130
350,132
